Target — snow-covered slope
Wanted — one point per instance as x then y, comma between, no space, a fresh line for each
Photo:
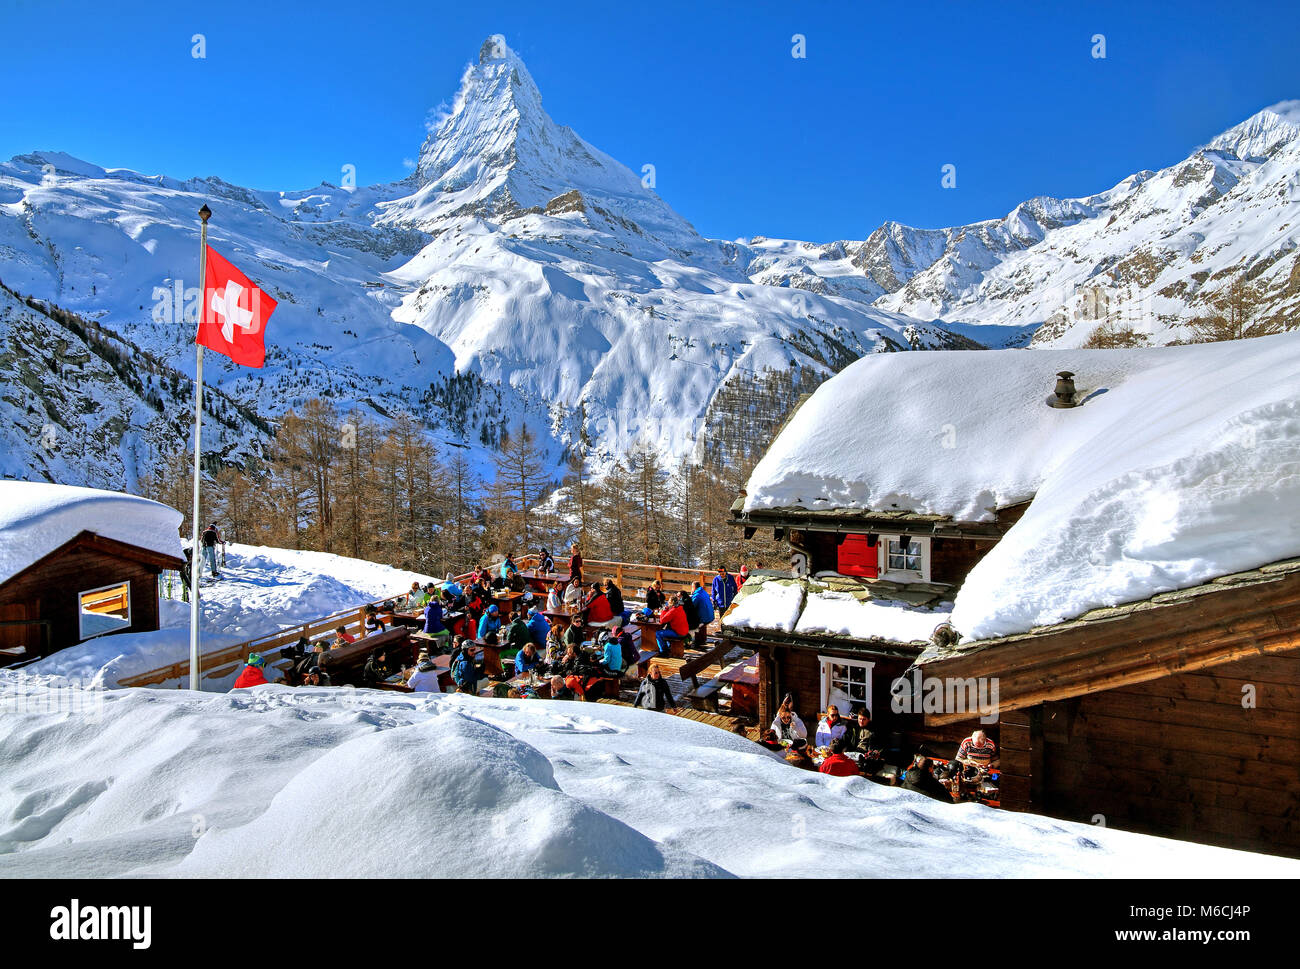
276,782
516,252
1150,253
1180,464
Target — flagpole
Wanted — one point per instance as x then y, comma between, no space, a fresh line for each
195,567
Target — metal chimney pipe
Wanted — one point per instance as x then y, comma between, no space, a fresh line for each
1064,393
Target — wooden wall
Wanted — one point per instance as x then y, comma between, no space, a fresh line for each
798,672
1181,757
951,559
51,592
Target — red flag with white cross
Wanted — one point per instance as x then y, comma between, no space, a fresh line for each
233,314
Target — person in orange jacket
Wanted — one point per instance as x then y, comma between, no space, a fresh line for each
251,675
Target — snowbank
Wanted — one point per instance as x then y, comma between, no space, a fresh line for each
37,518
1183,463
275,781
261,590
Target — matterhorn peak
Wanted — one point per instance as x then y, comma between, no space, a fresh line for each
497,155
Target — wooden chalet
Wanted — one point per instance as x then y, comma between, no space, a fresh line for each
95,580
1177,714
911,562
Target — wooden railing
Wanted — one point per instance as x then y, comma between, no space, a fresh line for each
632,576
224,661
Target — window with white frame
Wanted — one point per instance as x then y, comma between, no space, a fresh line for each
906,557
845,683
105,610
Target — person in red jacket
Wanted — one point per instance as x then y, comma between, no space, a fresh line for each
837,764
575,564
598,609
675,624
251,675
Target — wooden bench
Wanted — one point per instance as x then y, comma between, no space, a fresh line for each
644,659
693,667
344,665
706,697
607,686
676,647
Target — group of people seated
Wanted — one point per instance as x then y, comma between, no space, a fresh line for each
852,747
540,647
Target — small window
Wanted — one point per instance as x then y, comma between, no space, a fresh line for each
846,683
904,558
105,610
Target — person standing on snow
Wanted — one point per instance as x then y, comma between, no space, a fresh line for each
208,540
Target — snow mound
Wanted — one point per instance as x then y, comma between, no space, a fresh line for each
37,518
342,782
451,797
1180,464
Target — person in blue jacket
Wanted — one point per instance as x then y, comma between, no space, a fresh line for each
433,622
538,627
611,655
465,672
724,589
527,659
703,604
490,623
508,567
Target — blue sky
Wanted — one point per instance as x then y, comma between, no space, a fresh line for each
745,138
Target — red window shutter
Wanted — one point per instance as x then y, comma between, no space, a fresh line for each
857,557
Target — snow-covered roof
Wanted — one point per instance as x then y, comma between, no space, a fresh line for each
838,607
1180,464
36,518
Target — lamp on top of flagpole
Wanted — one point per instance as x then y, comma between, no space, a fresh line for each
205,213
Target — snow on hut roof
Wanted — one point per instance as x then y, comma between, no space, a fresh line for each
839,607
37,518
1179,465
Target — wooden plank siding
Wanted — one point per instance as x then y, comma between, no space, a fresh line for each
1206,629
49,591
1182,757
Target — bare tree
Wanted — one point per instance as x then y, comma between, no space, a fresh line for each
1233,316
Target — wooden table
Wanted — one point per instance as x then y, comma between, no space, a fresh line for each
563,618
649,626
411,620
544,580
743,677
505,602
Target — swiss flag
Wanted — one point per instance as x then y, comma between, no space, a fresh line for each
233,315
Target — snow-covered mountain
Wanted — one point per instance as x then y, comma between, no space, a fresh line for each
561,288
1149,253
563,291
